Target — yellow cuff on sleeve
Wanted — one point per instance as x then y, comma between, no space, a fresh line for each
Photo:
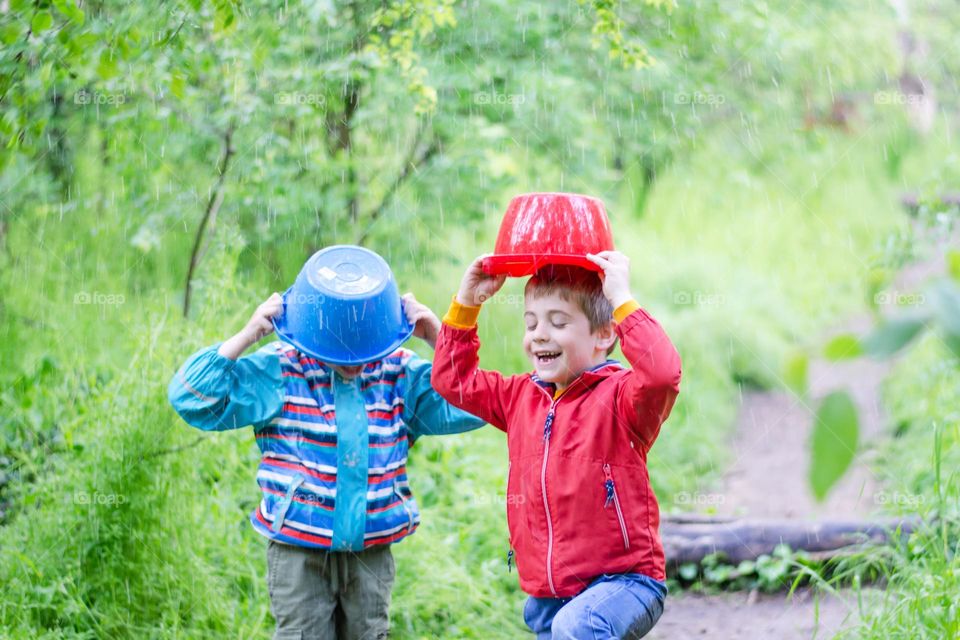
461,316
620,313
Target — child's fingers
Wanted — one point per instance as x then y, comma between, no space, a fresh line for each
609,254
416,319
598,260
477,265
264,327
272,310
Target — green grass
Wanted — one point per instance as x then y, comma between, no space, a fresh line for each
919,470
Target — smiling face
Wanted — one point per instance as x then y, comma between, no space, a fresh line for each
558,338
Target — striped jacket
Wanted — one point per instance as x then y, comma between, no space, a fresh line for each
334,451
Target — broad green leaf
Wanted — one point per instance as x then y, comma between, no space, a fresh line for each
893,334
946,300
42,20
688,571
107,67
843,347
69,9
953,264
177,84
795,372
10,33
834,442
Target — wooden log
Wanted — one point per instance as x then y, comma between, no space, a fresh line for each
739,540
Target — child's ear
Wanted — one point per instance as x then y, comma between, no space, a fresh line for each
605,336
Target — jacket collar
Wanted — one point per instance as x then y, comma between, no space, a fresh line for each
586,379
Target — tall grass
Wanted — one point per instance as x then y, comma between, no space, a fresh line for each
919,469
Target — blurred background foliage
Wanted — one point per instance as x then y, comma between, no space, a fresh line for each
165,166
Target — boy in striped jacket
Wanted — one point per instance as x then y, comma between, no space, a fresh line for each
333,477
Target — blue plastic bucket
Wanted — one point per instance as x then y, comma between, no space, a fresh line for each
344,308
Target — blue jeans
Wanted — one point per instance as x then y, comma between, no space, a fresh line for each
625,605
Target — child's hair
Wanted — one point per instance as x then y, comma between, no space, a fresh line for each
577,285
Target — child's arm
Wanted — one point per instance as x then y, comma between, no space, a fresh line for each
456,366
424,410
649,392
215,391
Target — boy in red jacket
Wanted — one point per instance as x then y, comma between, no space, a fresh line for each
582,515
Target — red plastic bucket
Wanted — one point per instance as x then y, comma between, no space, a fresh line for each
549,228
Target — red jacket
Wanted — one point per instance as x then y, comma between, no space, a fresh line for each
579,500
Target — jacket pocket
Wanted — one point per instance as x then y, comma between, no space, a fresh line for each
613,500
282,505
406,506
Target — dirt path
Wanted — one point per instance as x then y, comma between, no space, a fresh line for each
768,478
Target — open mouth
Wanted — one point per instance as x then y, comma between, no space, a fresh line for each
545,357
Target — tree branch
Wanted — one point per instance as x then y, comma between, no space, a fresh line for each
414,160
210,214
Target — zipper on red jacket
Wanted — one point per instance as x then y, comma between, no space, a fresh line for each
547,428
547,425
509,560
612,497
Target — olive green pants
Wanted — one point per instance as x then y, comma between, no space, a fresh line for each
322,595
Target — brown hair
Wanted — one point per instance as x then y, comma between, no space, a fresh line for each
577,285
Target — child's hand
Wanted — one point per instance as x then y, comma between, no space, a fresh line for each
477,287
259,324
615,275
426,324
256,328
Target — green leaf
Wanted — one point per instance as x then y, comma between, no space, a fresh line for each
893,334
946,302
178,83
843,347
42,20
69,9
107,67
834,442
795,372
953,264
10,33
689,571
